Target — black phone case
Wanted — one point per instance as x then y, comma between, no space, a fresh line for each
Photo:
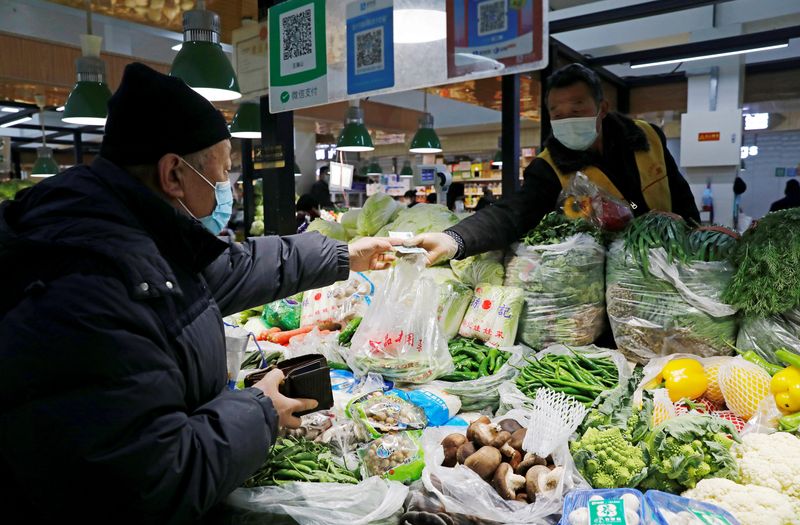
307,376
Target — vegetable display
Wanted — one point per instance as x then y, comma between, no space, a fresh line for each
331,229
560,266
297,459
607,459
581,377
473,359
493,315
422,218
485,268
378,211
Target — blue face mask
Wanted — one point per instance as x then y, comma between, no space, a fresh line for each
222,210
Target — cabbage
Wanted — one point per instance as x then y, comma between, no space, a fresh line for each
421,218
331,229
379,210
349,221
486,268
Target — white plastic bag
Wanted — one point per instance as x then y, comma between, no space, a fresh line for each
462,491
317,343
564,287
339,302
399,336
493,315
512,397
373,501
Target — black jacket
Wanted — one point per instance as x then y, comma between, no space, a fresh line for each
113,404
512,217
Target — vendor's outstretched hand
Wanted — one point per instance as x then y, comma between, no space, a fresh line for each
284,406
440,246
372,253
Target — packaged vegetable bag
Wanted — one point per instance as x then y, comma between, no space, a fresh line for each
454,299
564,286
399,336
493,315
338,303
764,335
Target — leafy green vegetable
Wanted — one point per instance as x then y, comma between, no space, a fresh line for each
331,229
9,188
685,449
246,315
768,261
349,222
555,227
422,218
479,269
614,407
283,313
379,210
712,243
607,459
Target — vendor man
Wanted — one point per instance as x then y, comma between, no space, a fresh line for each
113,405
627,158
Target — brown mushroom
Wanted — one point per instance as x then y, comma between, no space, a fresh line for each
517,438
483,434
465,451
528,461
506,483
501,439
515,460
450,444
534,479
509,425
483,420
522,497
484,462
551,480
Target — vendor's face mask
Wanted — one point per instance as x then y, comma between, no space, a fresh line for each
575,133
224,204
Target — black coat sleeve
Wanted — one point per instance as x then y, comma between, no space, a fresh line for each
102,429
511,217
683,202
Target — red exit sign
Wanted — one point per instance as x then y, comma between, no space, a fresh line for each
708,136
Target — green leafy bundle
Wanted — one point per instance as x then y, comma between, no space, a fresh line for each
555,227
767,280
657,230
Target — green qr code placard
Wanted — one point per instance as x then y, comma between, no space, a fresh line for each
607,512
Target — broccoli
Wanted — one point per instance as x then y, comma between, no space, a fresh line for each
607,460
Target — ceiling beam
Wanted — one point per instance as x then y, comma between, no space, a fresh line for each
704,47
622,14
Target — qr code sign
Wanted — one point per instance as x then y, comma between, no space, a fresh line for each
369,50
297,40
492,17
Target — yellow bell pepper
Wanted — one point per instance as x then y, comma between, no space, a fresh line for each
684,379
785,386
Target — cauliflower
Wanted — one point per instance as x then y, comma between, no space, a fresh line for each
607,460
770,460
750,504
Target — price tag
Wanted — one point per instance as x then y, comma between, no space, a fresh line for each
607,512
710,518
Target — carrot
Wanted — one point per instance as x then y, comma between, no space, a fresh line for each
300,337
273,330
282,338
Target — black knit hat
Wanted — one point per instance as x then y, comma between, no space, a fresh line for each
152,114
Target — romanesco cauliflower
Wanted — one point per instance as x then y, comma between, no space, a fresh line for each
750,504
770,460
607,460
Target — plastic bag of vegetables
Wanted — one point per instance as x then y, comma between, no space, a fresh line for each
764,335
493,315
372,501
338,303
664,293
422,218
478,269
564,283
378,211
470,471
454,299
399,336
331,229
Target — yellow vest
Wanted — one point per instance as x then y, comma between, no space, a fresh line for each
651,166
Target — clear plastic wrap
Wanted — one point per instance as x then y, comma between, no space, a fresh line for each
493,315
317,343
482,393
373,501
463,491
767,334
399,336
676,307
426,508
396,456
564,287
585,507
339,302
668,509
584,199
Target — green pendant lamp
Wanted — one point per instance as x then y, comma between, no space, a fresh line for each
297,172
201,62
425,140
354,136
246,123
45,165
497,161
374,169
407,170
87,103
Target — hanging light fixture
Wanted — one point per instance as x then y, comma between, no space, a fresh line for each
87,103
497,161
374,169
201,62
246,123
425,140
407,170
297,172
44,166
354,136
